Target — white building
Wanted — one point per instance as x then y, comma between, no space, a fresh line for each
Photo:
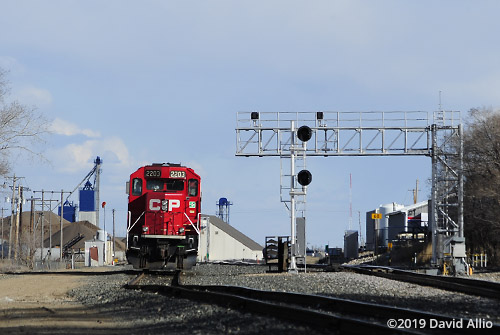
99,252
221,242
409,221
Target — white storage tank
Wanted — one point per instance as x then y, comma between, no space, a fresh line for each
383,228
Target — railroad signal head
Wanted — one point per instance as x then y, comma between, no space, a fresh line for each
304,133
304,177
254,115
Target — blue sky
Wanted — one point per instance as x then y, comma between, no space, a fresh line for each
137,82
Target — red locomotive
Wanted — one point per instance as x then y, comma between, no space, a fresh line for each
163,213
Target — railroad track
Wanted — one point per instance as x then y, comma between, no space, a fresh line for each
481,288
327,313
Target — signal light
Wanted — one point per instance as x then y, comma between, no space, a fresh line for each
304,133
254,115
304,177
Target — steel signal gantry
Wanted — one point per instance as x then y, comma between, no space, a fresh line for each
374,134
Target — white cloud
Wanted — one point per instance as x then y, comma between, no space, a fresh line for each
76,157
115,151
67,128
31,95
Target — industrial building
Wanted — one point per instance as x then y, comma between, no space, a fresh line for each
88,205
351,245
79,237
409,222
221,242
396,222
99,251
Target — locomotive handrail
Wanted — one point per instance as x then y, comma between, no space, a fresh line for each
129,228
192,224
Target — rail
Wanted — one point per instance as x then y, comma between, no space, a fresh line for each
481,288
332,314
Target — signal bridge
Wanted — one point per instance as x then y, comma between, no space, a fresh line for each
438,135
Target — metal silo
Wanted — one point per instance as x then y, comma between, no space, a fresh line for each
383,228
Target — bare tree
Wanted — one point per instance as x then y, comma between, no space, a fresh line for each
22,128
482,181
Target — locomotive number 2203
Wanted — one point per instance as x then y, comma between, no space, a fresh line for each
177,174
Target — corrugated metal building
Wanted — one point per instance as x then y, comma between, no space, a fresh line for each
221,242
351,245
409,220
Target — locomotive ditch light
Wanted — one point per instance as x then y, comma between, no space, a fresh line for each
304,133
304,177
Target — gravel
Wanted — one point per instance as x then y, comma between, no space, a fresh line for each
350,285
148,313
489,276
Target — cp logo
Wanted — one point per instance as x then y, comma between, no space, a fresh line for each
156,204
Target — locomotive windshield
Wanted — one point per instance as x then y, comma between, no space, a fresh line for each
165,185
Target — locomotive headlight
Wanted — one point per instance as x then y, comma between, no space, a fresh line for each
164,205
181,230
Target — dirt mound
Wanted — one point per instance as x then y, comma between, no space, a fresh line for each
51,224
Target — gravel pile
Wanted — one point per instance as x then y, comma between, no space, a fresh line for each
148,313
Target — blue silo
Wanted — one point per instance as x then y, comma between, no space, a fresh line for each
69,211
87,198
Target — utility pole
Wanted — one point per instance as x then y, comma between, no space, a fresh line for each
50,219
41,237
415,193
12,215
105,234
32,225
113,236
16,250
3,242
97,162
49,252
61,219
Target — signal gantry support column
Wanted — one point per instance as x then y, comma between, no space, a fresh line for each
303,178
293,242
